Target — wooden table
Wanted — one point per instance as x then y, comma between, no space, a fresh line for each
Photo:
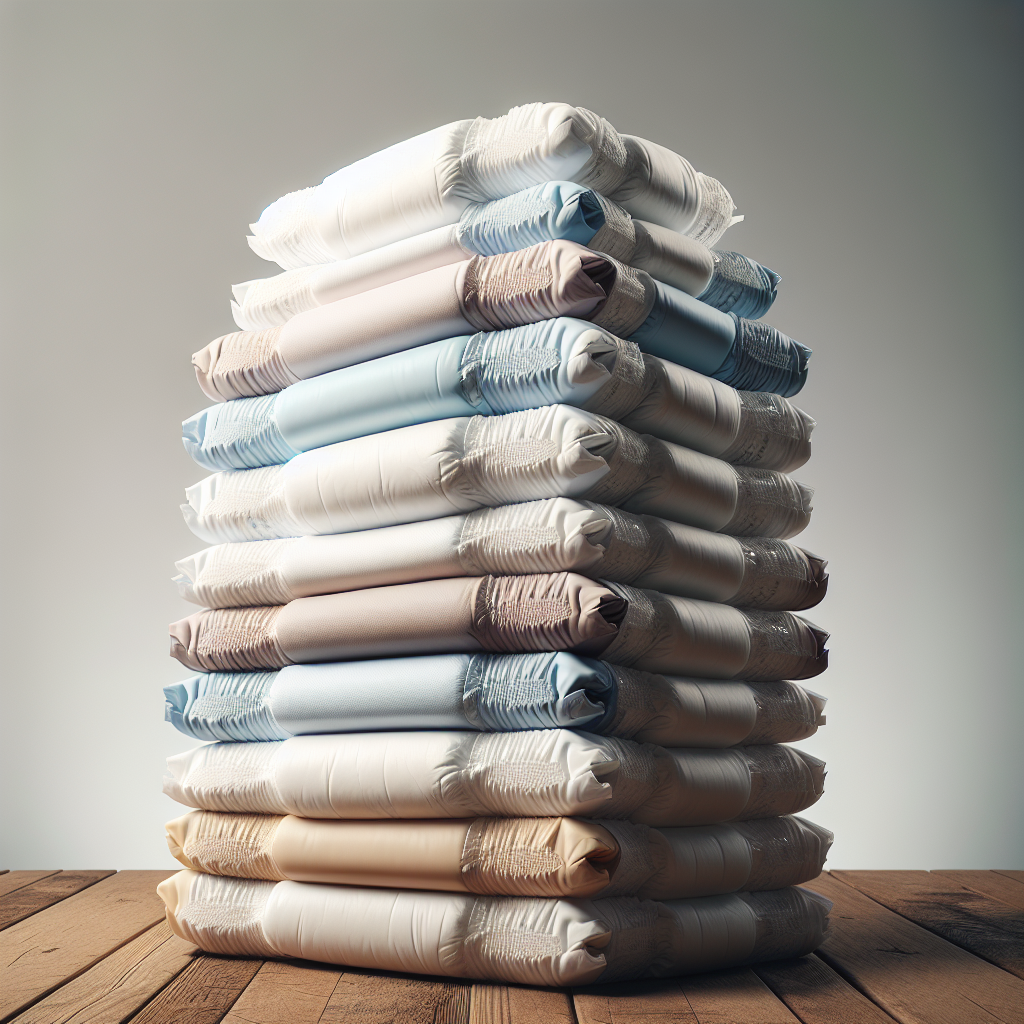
940,947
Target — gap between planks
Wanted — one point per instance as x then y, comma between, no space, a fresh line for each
984,926
56,945
13,880
916,976
119,985
38,895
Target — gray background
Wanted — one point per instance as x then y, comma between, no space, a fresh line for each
871,148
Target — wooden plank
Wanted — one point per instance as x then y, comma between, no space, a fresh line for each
817,995
519,1004
296,991
1017,876
991,883
377,997
736,996
115,988
17,879
202,993
30,899
914,975
986,927
633,1002
57,944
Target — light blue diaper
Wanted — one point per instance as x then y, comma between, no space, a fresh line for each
486,692
556,209
740,285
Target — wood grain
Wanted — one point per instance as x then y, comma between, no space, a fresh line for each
991,883
202,993
913,974
296,992
736,996
30,899
722,997
115,988
370,997
13,880
57,944
633,1002
817,995
519,1004
975,922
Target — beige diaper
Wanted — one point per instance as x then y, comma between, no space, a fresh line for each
505,856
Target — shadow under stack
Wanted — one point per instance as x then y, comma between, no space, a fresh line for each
498,641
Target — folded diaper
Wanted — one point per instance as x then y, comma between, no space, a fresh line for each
493,293
505,856
506,939
545,773
550,535
490,693
555,361
545,612
557,209
428,181
452,466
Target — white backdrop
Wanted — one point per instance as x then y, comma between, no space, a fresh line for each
869,147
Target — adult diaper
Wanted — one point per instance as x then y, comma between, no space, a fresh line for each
491,693
543,612
428,181
453,466
506,939
550,535
555,361
544,773
550,857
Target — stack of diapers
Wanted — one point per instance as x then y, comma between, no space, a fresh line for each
497,658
